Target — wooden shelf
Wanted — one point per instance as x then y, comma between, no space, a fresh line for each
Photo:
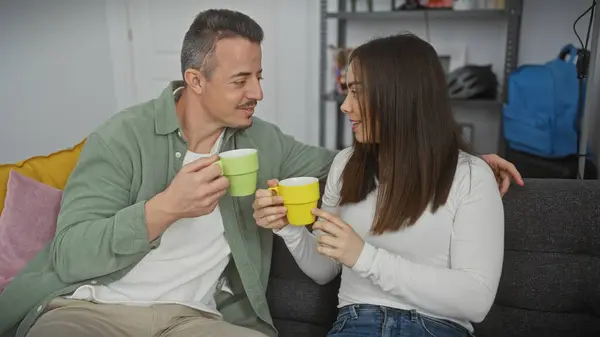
418,14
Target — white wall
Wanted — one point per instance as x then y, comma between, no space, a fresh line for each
56,80
548,25
56,63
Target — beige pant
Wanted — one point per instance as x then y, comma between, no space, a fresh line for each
76,318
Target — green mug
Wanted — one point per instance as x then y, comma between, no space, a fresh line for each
241,168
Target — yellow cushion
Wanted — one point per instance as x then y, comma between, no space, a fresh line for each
53,169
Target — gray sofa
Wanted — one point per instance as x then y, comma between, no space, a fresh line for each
550,284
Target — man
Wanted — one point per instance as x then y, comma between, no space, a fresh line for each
148,242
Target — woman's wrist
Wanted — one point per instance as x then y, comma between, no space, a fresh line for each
289,231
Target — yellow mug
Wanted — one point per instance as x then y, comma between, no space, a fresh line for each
300,195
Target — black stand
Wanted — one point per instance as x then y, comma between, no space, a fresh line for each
586,61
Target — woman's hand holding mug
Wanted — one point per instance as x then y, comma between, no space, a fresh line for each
269,211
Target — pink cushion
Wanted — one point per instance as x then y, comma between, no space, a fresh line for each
27,223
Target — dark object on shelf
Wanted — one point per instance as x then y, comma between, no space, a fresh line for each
531,166
473,81
409,5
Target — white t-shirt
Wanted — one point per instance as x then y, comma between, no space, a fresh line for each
184,269
447,265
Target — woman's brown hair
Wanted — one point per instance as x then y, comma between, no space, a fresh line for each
413,140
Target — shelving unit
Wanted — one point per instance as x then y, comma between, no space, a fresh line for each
417,14
511,13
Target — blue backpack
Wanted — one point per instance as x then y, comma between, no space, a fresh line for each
541,115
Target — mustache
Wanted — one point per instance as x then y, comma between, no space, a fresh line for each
248,104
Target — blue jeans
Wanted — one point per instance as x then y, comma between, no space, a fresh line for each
361,320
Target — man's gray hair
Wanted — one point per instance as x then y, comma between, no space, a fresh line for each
207,29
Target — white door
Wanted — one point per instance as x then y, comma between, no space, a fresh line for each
290,59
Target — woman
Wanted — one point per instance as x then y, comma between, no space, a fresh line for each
414,222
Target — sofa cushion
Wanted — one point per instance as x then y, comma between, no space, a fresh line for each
27,223
52,170
550,284
299,306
